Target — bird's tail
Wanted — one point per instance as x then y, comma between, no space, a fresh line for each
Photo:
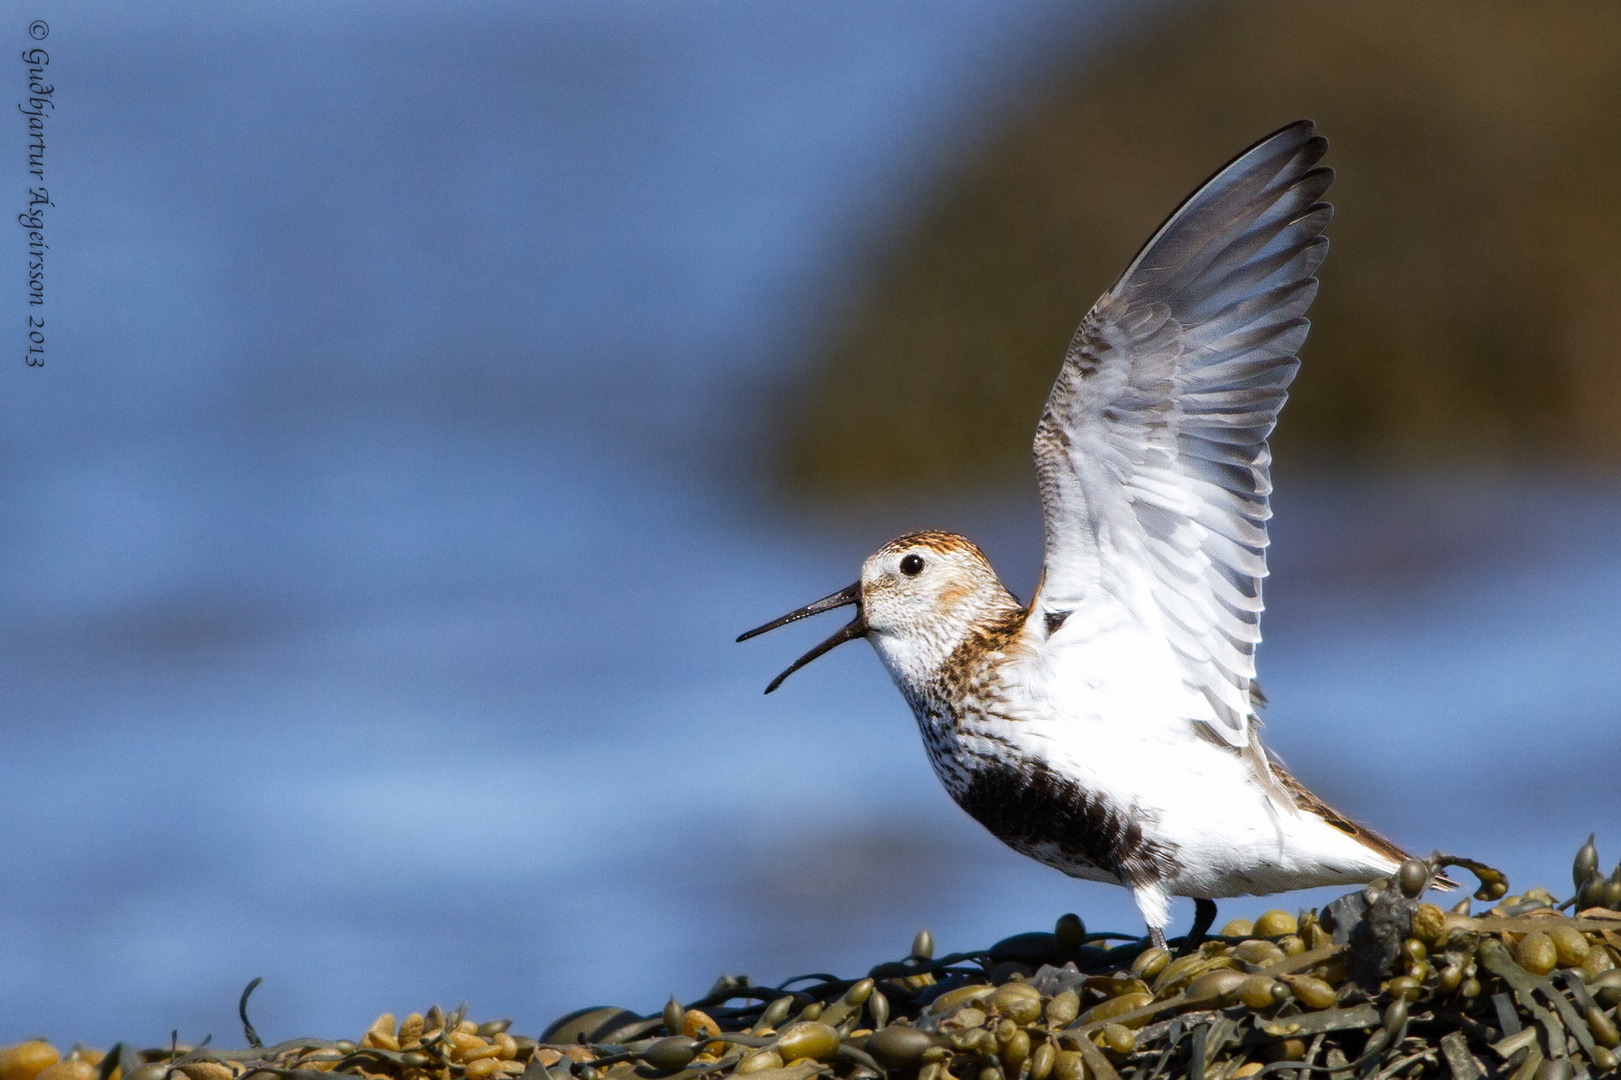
1369,839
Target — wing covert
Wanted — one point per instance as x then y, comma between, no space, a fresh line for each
1151,451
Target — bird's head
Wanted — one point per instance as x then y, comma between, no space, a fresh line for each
920,597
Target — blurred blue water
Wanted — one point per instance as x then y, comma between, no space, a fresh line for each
379,530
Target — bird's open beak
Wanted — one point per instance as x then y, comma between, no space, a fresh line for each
856,627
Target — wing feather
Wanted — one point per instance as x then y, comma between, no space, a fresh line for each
1152,451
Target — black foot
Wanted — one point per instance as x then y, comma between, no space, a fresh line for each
1156,938
1204,916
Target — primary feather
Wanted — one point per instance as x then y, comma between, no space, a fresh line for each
1151,452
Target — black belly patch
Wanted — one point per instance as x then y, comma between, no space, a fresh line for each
1027,804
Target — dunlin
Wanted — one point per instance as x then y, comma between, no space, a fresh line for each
1108,728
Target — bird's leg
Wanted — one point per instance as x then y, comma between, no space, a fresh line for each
1156,909
1204,916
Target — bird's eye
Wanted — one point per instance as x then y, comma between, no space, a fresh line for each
912,565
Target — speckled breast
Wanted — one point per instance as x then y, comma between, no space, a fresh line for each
1037,810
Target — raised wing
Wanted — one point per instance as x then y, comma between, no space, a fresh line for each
1152,452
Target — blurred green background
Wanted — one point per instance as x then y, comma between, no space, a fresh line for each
1471,302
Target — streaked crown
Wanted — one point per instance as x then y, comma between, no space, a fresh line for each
921,598
924,596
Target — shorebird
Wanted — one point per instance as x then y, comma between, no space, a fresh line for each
1108,728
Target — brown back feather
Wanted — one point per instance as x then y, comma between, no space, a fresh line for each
1313,805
